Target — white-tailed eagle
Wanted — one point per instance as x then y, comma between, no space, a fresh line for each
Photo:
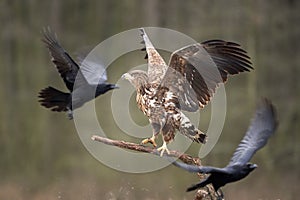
185,84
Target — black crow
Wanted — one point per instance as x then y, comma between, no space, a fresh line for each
90,79
263,125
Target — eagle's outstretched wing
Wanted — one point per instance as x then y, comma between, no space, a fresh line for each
263,125
156,64
65,65
195,71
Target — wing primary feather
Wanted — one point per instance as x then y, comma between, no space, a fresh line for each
196,64
65,65
262,127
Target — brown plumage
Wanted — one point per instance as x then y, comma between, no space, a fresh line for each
186,83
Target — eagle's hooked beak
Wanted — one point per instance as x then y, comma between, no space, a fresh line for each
125,76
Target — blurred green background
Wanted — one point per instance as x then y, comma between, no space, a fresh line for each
41,156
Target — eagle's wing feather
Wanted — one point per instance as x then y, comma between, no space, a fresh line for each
156,64
263,125
228,56
195,71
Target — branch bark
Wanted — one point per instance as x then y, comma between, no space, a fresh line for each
206,193
145,149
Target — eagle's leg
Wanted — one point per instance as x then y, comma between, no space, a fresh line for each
163,148
150,140
156,130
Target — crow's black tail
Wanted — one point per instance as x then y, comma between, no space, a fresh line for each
198,185
54,99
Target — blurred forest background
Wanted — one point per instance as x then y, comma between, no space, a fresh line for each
41,155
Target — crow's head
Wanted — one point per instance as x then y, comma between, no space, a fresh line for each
110,86
251,166
104,87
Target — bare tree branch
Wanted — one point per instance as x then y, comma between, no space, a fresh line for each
140,148
206,193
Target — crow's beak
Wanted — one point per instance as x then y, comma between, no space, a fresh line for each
254,166
115,87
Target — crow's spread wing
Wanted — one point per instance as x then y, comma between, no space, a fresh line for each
263,125
198,169
65,65
195,71
94,72
91,67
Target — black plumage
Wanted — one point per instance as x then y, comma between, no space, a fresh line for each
263,125
90,79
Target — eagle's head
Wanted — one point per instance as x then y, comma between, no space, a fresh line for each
137,78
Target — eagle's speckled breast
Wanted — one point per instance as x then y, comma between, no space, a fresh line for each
160,105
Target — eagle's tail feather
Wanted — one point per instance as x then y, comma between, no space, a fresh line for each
54,99
188,129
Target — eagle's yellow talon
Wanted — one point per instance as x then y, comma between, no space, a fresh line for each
150,140
163,148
